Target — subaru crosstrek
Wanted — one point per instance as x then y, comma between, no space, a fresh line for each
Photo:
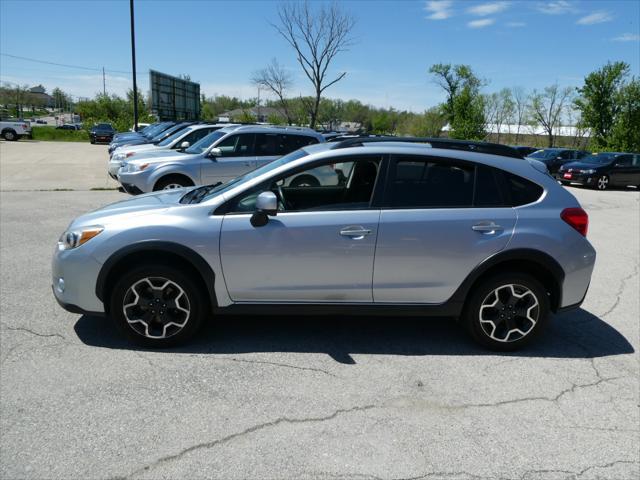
446,228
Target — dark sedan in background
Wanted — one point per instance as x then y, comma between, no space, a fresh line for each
102,133
553,158
603,170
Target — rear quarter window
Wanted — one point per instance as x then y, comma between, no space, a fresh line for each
521,191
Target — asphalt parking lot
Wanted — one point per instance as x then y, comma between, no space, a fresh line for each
306,397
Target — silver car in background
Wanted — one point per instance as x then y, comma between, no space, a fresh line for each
178,141
229,152
437,228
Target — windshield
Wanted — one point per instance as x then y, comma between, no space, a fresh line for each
205,142
213,190
544,154
155,130
166,133
171,138
600,158
102,126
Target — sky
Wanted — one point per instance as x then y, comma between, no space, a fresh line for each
220,44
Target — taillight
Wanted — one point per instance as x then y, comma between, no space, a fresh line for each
577,218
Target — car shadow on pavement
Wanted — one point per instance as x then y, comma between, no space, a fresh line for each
576,334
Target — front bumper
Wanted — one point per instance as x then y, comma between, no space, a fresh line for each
79,272
135,182
579,178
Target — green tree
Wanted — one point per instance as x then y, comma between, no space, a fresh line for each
599,100
625,133
428,124
468,115
453,79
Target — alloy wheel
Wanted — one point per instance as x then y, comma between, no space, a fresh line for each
603,182
509,313
156,307
171,186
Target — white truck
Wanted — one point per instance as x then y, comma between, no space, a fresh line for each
13,130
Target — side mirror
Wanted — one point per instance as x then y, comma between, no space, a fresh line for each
184,145
266,205
215,152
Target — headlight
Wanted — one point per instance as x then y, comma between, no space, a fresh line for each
118,156
589,171
135,167
74,238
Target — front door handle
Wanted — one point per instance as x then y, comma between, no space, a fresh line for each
487,228
355,232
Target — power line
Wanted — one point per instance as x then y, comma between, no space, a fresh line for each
62,64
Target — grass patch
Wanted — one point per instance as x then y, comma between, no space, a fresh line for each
52,134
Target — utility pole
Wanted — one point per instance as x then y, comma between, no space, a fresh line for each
104,85
133,64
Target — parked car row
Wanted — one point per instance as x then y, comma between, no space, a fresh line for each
222,153
423,228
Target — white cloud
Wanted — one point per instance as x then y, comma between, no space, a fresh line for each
439,9
516,24
595,17
627,37
558,7
485,9
484,22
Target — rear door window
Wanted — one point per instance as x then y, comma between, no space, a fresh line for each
489,191
417,182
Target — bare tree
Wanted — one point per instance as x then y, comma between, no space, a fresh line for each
520,109
277,80
317,36
547,108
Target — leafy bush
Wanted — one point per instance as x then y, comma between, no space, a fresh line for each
53,134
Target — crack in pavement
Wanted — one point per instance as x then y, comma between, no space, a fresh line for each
247,431
33,332
276,364
573,388
621,288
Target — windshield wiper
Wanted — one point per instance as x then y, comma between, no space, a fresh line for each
195,195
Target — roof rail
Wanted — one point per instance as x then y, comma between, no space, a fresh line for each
444,143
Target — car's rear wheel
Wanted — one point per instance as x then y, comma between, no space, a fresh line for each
602,183
172,182
10,135
507,311
157,306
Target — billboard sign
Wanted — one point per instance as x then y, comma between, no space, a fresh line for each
174,98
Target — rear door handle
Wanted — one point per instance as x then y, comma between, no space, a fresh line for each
355,233
487,228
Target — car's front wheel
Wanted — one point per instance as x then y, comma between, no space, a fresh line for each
602,183
507,311
171,182
10,135
157,306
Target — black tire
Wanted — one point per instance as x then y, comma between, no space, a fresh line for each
195,303
172,181
10,135
482,331
305,181
602,183
93,142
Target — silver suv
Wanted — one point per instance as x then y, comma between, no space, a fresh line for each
218,157
174,143
446,228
